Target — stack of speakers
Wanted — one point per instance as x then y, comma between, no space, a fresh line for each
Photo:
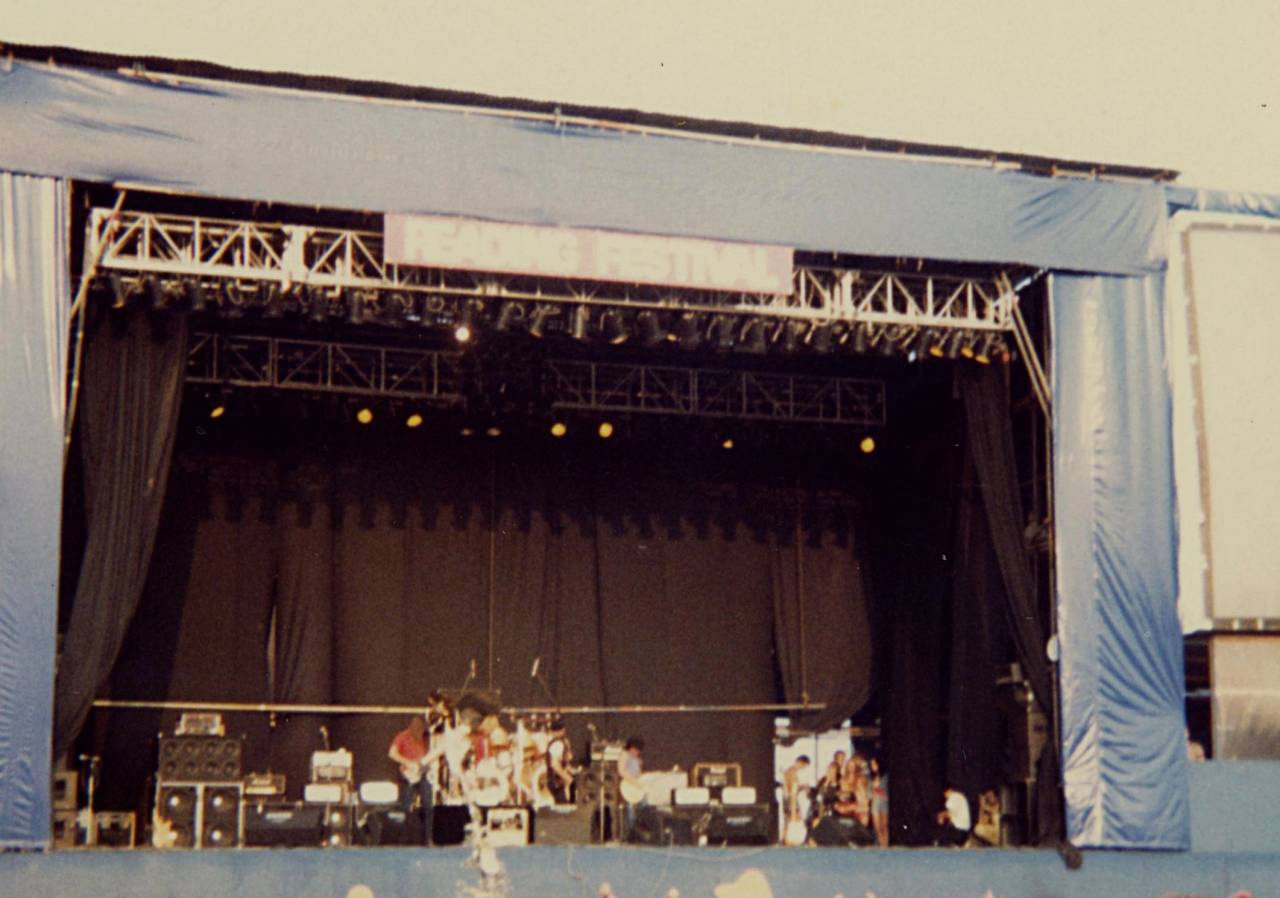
199,793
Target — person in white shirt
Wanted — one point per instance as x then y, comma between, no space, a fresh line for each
953,820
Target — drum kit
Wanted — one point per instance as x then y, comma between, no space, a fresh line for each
486,762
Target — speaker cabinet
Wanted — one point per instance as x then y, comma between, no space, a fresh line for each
203,759
387,826
198,815
741,825
563,825
841,832
338,826
283,824
449,824
65,783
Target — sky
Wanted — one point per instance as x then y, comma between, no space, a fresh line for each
1193,86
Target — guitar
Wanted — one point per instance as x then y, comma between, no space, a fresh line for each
632,791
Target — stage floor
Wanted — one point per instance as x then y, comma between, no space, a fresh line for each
569,872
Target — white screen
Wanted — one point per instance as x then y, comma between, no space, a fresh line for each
1232,281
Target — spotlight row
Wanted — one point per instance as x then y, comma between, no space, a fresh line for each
558,429
467,318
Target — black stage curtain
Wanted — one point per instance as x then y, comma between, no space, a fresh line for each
132,389
636,580
991,441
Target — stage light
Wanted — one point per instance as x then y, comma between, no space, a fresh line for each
507,316
317,305
938,348
726,443
688,332
868,445
722,328
581,320
819,338
467,432
791,335
217,411
539,321
752,337
559,429
605,430
861,337
414,420
355,308
119,291
365,415
651,332
466,326
966,346
885,344
159,300
983,354
614,328
493,431
195,296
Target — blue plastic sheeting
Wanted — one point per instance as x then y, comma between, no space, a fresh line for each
248,142
1235,806
33,329
547,872
1121,676
1190,199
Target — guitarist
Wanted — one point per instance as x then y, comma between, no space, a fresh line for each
559,763
630,766
412,752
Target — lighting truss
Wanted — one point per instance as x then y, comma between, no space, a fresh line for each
321,366
437,377
212,251
716,393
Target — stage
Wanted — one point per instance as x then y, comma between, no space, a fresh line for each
638,873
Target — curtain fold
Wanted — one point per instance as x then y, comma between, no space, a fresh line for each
34,306
130,400
991,446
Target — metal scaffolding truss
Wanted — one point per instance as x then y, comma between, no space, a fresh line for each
438,377
320,366
309,262
716,393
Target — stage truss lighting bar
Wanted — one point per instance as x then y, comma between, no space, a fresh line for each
292,257
439,377
715,393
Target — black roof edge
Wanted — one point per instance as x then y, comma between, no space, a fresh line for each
1041,165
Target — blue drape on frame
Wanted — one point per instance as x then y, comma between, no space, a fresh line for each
33,328
1121,676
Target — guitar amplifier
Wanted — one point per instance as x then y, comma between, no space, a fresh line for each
508,825
283,824
331,766
199,759
742,825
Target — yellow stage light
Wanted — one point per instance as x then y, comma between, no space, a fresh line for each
414,420
605,430
559,429
868,445
365,415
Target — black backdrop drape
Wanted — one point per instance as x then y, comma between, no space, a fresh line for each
637,579
131,397
329,565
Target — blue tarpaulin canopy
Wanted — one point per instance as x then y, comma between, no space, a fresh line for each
1121,648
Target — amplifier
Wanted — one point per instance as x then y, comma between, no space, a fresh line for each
736,795
283,824
264,785
379,792
338,827
115,829
387,826
198,815
203,759
716,775
691,795
741,825
326,793
65,828
64,790
331,766
508,825
563,825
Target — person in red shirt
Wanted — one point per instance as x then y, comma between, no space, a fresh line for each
411,750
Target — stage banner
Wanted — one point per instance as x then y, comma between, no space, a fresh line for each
33,335
439,241
1120,670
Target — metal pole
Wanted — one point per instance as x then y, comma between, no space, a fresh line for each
493,551
285,708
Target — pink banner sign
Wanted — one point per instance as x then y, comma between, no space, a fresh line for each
438,241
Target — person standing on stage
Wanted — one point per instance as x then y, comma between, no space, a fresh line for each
411,750
630,767
954,819
791,786
879,802
559,759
